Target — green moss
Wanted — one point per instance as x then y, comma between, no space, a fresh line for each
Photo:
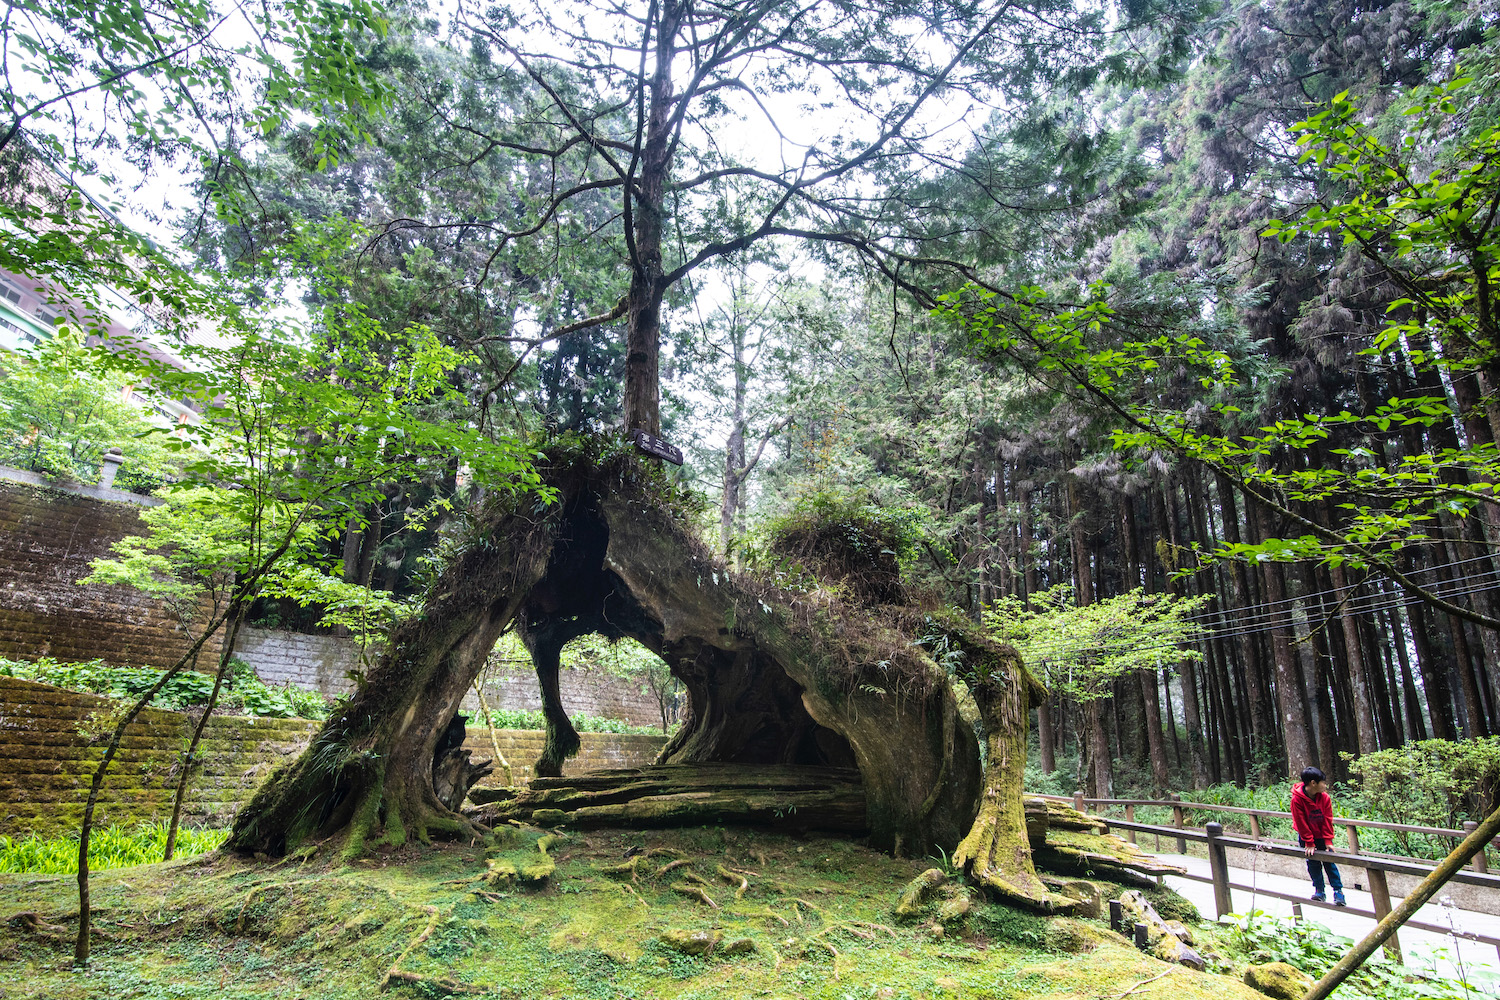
1279,980
225,929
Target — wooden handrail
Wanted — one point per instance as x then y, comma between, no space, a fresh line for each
1369,862
1372,824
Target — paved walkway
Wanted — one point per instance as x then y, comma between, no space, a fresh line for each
1419,946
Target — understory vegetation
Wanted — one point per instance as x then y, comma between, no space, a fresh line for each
111,847
243,692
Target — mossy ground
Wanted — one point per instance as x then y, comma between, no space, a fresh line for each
817,909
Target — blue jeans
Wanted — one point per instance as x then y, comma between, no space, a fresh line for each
1315,868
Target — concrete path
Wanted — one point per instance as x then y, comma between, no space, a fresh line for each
1419,946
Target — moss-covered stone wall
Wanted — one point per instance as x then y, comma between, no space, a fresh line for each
48,536
51,741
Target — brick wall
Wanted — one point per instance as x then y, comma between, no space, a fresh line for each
584,692
322,662
51,741
315,662
48,535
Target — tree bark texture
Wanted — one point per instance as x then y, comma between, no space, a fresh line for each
772,679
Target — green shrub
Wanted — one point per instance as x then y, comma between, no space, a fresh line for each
521,718
1259,937
111,847
845,538
1426,783
243,694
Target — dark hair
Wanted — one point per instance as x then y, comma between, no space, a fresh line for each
1311,774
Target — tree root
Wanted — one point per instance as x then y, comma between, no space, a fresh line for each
694,892
671,867
239,923
732,878
630,867
394,973
796,901
696,879
767,914
31,922
639,898
1143,982
440,982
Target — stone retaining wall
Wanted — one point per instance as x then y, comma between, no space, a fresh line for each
322,663
51,741
48,535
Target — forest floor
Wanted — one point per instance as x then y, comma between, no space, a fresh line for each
816,913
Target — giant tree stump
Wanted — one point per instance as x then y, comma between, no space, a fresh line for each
772,678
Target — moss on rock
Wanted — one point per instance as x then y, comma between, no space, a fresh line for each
1279,980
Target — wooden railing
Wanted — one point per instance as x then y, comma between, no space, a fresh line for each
1376,866
1352,826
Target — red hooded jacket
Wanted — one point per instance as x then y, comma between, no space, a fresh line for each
1312,818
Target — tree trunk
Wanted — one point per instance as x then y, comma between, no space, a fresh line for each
647,277
1045,736
81,944
996,853
1291,703
1190,705
236,618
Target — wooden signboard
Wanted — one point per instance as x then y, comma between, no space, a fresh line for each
653,445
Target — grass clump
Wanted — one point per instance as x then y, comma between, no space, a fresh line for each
111,847
848,540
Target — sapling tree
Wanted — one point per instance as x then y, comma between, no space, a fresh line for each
298,429
61,408
1081,650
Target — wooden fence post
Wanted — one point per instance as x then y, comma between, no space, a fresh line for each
1218,866
1480,864
1255,826
1078,801
1177,822
1354,849
1130,818
1380,892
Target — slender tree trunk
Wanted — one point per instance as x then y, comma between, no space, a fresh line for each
1192,718
85,915
1290,702
1028,561
1416,726
1354,656
1100,772
236,618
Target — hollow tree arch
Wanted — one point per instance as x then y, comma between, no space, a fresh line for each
771,678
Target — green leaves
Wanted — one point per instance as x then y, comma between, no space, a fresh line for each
1081,649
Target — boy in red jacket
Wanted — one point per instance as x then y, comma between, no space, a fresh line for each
1312,818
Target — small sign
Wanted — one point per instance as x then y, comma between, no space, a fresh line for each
653,445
